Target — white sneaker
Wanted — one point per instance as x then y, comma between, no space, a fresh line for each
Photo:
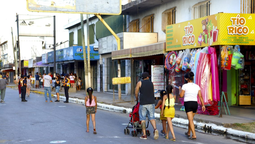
19,95
156,134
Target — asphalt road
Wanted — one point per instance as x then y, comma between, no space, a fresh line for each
38,122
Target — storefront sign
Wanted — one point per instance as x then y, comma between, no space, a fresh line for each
44,58
78,53
68,53
157,77
121,80
219,29
30,63
60,55
50,58
25,63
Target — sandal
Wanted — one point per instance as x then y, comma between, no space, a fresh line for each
186,133
95,132
173,139
191,138
87,131
166,137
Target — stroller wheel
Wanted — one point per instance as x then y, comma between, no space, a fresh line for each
148,133
125,131
135,133
128,132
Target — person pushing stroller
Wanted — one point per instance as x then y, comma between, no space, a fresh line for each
147,104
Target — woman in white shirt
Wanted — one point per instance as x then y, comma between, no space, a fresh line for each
190,91
72,77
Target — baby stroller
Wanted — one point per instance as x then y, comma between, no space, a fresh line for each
135,123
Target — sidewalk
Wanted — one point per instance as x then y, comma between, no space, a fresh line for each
238,115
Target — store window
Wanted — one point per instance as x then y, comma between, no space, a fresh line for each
79,37
134,26
71,39
168,18
148,23
201,9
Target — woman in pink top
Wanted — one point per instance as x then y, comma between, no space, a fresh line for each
91,108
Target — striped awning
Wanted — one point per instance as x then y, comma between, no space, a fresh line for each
142,51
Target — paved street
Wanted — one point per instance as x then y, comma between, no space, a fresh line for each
37,122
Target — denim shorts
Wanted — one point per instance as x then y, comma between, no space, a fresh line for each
146,110
57,89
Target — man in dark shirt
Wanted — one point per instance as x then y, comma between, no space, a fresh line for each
23,83
147,104
37,80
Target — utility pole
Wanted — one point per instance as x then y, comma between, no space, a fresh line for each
18,44
84,52
88,52
14,56
54,36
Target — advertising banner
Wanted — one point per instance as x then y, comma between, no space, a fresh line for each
218,29
68,53
30,63
78,53
44,58
157,77
25,63
60,55
50,57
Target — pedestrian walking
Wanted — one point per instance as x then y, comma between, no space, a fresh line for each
79,84
91,108
37,80
23,85
43,79
47,81
66,84
19,85
28,85
147,104
3,83
162,118
190,92
57,85
168,110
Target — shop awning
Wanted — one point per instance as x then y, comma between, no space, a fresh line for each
7,69
141,51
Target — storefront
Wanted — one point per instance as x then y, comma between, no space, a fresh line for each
70,60
211,50
143,59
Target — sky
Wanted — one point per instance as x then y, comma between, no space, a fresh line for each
9,8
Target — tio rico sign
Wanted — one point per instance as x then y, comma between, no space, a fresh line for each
189,37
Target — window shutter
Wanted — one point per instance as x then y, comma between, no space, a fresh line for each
91,34
79,38
71,39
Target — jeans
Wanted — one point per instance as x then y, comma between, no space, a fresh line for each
66,93
47,90
2,94
147,110
57,89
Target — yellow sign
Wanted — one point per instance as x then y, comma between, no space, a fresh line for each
219,29
121,80
25,63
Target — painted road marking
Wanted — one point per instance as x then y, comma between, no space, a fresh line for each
59,141
191,142
61,106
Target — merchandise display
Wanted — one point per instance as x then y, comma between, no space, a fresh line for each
215,75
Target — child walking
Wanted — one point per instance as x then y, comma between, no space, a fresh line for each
168,110
91,108
162,118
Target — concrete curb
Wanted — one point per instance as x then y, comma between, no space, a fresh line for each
180,122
